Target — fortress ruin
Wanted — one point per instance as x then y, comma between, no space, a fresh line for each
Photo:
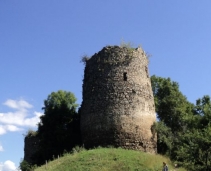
118,105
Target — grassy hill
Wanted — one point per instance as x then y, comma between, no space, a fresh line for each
108,159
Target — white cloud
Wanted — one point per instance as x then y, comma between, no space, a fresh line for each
2,130
8,166
13,121
11,128
20,118
17,104
34,120
13,117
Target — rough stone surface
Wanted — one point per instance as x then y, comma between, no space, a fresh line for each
118,104
30,147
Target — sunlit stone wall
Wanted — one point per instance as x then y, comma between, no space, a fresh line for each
118,105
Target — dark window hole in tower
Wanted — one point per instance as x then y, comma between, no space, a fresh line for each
125,76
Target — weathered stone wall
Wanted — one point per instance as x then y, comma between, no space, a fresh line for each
30,147
118,104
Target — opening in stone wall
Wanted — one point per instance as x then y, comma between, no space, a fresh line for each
125,76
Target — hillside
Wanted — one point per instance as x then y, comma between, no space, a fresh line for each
108,159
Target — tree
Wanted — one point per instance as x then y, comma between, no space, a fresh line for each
184,129
173,111
59,127
171,105
24,166
194,147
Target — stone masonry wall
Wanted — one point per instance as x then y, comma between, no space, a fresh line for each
30,147
118,104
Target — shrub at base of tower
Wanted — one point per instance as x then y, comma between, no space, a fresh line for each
118,105
25,166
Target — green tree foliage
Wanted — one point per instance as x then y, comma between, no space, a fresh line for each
59,128
194,147
25,166
165,138
171,105
184,129
173,111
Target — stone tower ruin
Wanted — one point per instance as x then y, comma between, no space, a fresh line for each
118,104
30,146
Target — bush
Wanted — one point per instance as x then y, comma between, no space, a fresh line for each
25,166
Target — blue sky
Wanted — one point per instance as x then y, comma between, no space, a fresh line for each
41,44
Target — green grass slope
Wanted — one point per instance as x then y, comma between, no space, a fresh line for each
108,159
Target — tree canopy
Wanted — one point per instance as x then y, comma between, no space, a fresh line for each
172,107
184,129
59,127
194,147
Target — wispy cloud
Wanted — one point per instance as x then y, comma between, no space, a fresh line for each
17,104
18,118
11,128
2,130
1,148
